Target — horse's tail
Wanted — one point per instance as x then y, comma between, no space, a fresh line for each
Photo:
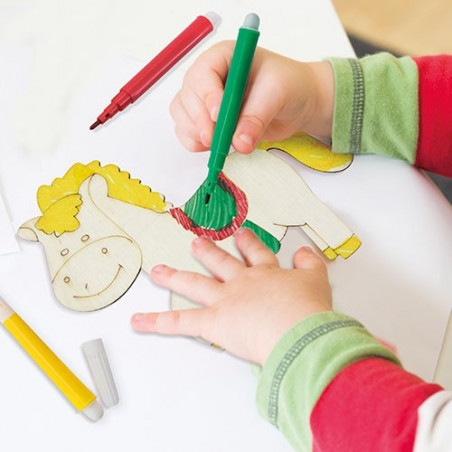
310,152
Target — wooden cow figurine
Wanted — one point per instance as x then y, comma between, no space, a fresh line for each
100,227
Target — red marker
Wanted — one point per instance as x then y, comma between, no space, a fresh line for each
160,65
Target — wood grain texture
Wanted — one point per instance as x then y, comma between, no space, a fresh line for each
94,264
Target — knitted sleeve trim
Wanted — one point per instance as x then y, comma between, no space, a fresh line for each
303,363
292,354
357,118
376,106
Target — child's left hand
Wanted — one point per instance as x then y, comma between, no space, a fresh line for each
248,305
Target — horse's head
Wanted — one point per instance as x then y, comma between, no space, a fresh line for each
94,265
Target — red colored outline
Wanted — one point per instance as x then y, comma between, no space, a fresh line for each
242,209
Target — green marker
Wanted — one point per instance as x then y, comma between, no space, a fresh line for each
232,99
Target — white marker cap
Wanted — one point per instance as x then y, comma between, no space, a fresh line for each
5,311
94,411
101,372
214,19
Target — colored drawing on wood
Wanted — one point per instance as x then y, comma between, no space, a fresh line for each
99,227
311,152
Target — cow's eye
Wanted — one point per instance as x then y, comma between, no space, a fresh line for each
67,279
104,250
64,252
85,238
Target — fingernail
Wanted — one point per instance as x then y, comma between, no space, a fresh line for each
205,139
214,113
137,318
307,249
199,240
247,139
158,268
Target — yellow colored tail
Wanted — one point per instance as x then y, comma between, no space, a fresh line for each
310,152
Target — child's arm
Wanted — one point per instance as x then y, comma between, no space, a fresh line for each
326,382
375,405
400,107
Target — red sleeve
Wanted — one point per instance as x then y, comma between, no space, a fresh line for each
434,148
371,405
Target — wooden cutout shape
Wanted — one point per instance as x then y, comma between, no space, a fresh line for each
93,265
96,254
310,152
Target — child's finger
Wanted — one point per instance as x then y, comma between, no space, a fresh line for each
187,322
253,251
185,127
261,106
196,287
219,262
208,75
306,259
197,110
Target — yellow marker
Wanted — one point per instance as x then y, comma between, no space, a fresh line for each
75,391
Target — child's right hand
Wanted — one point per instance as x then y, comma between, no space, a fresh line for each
283,96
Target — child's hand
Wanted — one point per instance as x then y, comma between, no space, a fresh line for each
283,96
248,305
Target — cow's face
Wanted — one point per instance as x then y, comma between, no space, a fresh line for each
92,266
97,274
88,271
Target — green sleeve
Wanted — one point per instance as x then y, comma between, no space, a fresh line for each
376,106
303,363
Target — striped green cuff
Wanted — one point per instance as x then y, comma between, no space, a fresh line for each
376,106
303,363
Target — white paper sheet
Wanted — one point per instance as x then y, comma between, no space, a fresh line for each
174,393
8,242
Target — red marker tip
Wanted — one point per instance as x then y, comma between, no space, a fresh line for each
93,126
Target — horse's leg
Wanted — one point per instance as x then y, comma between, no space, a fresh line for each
328,232
314,237
277,195
345,250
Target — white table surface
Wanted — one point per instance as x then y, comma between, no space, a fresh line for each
61,62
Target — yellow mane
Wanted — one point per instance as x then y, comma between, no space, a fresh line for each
60,201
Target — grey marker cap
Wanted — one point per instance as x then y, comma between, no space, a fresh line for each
99,367
252,21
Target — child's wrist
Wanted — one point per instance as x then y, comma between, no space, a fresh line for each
316,84
324,94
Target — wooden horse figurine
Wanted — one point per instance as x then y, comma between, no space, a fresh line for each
99,227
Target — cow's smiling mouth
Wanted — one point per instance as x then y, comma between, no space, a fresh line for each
120,267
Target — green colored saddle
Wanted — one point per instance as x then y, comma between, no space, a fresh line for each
221,211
